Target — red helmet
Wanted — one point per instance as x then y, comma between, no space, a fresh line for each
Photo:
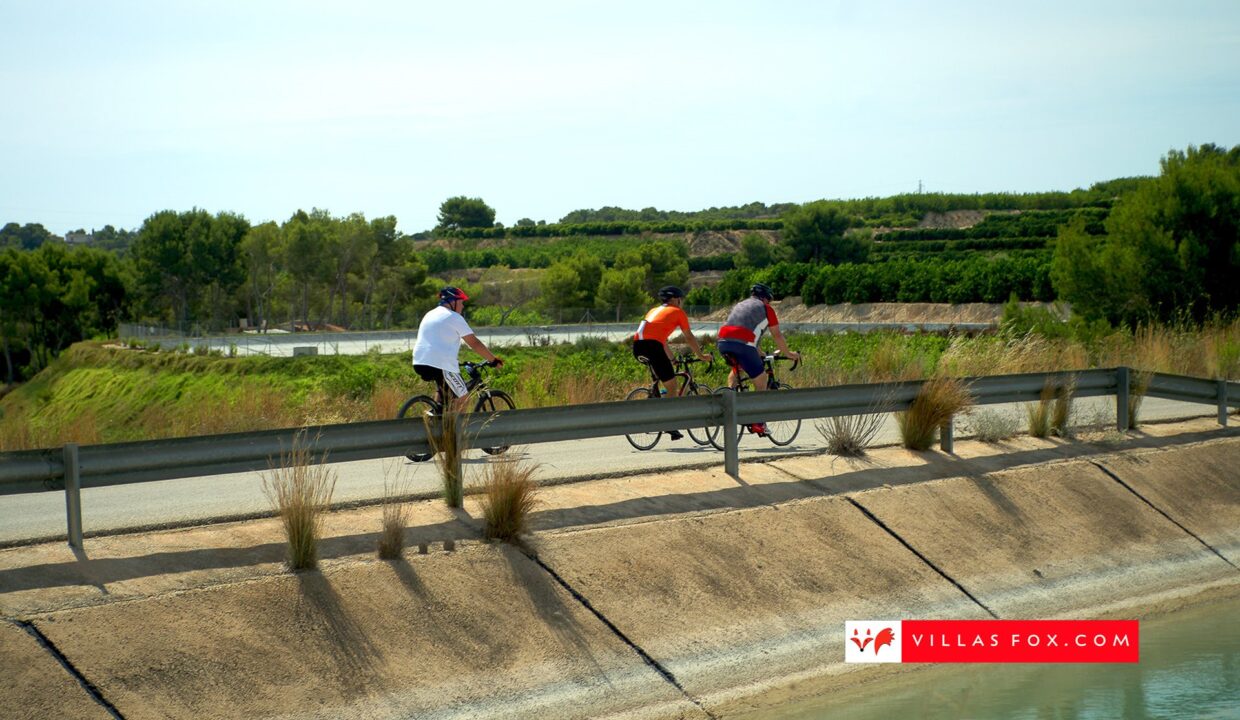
450,294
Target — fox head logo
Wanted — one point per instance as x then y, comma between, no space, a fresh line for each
884,637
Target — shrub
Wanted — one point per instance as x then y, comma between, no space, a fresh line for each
939,400
301,490
992,426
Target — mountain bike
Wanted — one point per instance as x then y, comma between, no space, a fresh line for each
489,401
688,385
780,432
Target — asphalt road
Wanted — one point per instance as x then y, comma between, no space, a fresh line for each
197,500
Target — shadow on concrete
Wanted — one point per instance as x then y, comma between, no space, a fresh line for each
346,642
99,572
546,596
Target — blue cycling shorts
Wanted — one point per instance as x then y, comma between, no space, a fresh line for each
747,356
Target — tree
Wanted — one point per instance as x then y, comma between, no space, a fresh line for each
184,259
508,289
525,222
755,252
816,233
24,237
622,287
1172,245
464,212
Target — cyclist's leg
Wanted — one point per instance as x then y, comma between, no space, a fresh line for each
434,376
454,387
655,354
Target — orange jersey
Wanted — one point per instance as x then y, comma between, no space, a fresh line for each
661,322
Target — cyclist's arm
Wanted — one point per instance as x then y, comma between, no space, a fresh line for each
695,345
480,347
782,344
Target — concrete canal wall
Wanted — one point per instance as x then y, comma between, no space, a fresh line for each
679,595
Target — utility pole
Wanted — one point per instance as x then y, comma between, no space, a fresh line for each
919,187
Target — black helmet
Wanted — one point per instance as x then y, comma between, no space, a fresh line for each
450,294
761,291
669,292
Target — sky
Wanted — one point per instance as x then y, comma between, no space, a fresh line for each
112,111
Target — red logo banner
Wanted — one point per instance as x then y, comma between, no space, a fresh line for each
1020,641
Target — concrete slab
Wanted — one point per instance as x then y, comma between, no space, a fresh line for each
1046,541
477,633
641,498
735,603
1196,486
53,576
36,686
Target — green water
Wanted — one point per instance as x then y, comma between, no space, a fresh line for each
1190,668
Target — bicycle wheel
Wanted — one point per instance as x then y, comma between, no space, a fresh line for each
418,408
646,440
701,435
783,432
715,434
491,402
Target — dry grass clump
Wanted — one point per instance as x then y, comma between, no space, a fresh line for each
992,426
1140,384
1040,412
300,489
449,443
1052,413
1061,409
509,496
16,435
396,486
385,402
850,435
940,399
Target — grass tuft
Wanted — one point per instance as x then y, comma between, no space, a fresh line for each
508,497
849,436
1061,409
939,400
448,442
300,488
397,482
1140,386
1039,413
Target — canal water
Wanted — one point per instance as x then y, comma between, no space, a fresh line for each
1189,668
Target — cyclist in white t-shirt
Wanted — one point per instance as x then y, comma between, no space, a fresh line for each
439,341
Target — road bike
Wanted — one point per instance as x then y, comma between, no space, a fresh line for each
780,432
489,401
688,386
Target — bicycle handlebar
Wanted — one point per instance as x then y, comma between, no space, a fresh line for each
775,356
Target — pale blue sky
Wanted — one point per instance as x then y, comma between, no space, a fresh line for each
110,111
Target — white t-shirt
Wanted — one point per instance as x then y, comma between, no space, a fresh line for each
439,339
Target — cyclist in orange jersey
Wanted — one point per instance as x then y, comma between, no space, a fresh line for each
650,340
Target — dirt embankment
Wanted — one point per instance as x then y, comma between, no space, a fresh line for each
792,310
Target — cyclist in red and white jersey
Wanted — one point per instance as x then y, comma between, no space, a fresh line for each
741,333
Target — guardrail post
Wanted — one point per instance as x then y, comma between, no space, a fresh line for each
731,438
1222,403
73,495
1121,398
945,437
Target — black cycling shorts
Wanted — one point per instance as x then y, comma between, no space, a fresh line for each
450,384
655,353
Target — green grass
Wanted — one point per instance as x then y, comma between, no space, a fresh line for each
94,393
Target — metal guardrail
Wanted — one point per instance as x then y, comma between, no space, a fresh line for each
134,462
